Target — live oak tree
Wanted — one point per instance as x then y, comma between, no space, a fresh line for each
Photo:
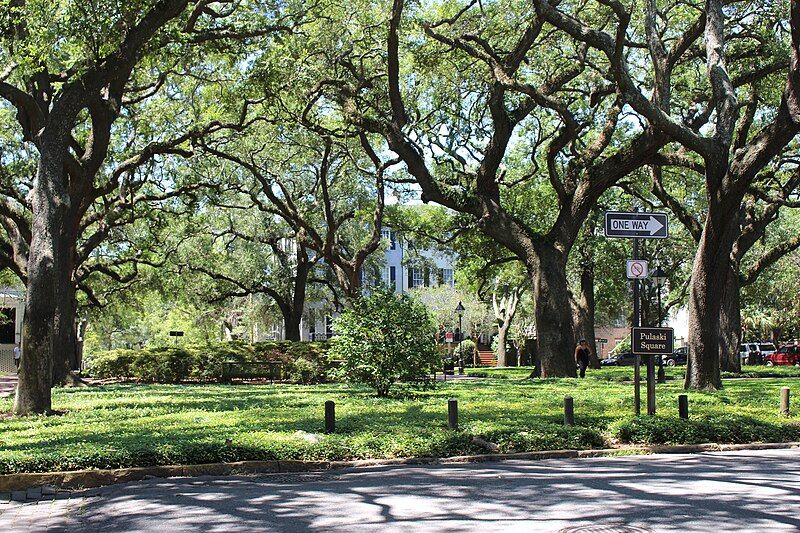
249,252
71,76
325,183
733,141
774,192
491,89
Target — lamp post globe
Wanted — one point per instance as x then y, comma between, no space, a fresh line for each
460,312
659,277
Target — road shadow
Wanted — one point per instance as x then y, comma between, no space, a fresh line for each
744,491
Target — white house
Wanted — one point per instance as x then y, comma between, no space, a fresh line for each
403,266
12,306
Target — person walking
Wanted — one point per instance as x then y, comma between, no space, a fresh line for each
17,355
582,351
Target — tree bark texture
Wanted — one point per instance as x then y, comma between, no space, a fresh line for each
502,338
583,311
553,314
49,277
730,324
709,275
504,312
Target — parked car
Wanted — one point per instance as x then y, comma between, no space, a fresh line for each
753,353
624,359
786,355
678,357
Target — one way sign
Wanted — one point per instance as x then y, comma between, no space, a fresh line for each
636,225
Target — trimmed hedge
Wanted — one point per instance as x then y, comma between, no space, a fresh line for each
303,362
729,429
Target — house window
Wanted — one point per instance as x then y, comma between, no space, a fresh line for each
390,236
388,277
446,276
417,277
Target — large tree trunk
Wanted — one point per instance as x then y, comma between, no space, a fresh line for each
730,324
583,312
710,270
291,326
65,360
553,314
504,312
502,337
47,318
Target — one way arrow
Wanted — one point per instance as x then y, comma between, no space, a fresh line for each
654,226
635,225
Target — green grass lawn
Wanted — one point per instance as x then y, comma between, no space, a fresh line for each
135,425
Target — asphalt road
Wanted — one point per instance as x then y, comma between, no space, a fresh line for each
733,491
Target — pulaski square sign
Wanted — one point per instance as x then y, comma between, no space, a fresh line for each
652,341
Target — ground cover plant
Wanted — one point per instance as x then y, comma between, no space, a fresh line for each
136,425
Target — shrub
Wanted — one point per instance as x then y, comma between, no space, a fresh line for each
304,362
465,351
385,338
718,428
208,358
163,365
112,364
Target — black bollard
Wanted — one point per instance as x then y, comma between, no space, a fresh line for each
330,416
683,406
452,414
569,411
785,401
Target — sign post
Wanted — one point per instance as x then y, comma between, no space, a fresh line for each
176,334
652,342
637,365
638,225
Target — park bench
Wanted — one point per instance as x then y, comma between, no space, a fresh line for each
251,370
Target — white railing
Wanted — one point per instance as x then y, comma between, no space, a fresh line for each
7,359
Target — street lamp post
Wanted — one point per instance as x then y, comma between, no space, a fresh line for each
460,311
659,278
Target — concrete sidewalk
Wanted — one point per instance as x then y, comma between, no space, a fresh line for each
736,491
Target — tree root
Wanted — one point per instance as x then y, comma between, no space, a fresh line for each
74,380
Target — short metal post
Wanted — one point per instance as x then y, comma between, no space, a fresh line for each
330,416
662,376
452,414
569,411
651,385
683,406
785,401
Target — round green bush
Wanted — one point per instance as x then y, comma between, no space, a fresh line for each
385,338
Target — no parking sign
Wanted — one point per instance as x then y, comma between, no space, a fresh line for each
636,269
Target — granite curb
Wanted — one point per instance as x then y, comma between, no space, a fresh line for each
13,486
